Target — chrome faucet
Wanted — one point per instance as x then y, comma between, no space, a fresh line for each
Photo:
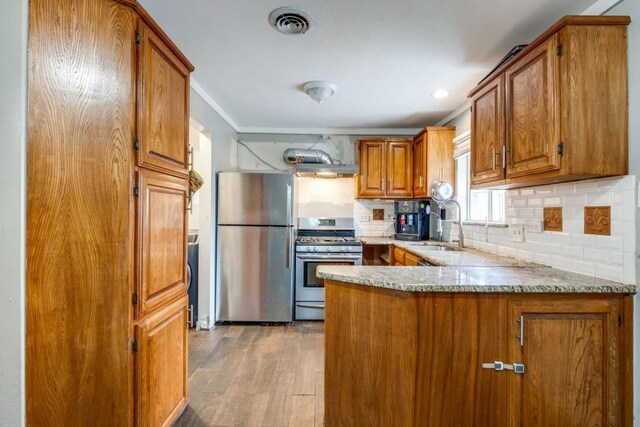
441,193
460,232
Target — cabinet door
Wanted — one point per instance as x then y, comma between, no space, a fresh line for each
572,352
533,116
439,159
487,133
161,366
399,169
162,239
372,169
163,105
420,165
411,260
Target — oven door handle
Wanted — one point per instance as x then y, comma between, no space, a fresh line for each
329,257
316,306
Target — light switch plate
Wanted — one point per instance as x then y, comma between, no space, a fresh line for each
517,232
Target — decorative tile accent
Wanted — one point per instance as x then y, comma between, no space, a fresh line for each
597,220
378,214
552,219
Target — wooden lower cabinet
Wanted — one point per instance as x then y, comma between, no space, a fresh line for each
161,365
573,354
415,359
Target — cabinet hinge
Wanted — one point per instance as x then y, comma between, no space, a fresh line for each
136,191
561,149
619,320
472,108
136,143
134,298
138,39
559,50
134,346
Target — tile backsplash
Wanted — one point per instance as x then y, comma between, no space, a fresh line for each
366,225
611,257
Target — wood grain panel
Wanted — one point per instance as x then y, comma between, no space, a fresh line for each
163,105
440,162
452,389
79,275
162,237
370,355
372,176
533,119
594,102
487,133
571,352
420,188
161,365
399,169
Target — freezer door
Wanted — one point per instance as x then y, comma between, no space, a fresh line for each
255,198
256,274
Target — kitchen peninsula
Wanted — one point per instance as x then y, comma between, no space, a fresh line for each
516,344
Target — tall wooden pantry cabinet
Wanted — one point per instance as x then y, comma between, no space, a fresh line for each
106,217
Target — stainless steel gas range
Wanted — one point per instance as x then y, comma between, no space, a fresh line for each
321,241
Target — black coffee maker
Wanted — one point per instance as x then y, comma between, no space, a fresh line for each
412,219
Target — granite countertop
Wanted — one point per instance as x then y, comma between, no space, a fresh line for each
468,270
473,279
459,258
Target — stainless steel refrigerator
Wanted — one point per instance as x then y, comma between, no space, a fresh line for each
255,247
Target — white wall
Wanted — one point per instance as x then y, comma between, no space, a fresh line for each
13,82
221,138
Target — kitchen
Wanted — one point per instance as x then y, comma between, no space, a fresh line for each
518,214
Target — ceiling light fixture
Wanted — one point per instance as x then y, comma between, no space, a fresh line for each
319,90
440,93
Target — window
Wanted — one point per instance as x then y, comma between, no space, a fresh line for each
477,205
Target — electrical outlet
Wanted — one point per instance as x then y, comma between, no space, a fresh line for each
517,232
535,226
365,218
390,217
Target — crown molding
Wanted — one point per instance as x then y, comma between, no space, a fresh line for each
333,131
213,104
455,113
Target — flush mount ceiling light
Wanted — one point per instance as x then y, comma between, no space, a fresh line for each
440,93
290,21
319,90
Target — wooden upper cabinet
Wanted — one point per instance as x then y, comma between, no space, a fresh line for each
386,168
163,105
572,351
533,119
162,239
373,160
399,169
487,133
432,158
161,365
564,112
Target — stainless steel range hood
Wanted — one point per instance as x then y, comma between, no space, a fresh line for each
317,163
323,170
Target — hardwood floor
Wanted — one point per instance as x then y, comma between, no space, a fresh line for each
252,375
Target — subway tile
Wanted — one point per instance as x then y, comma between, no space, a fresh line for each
574,200
585,186
611,272
573,251
609,242
547,189
584,267
629,269
616,257
527,191
534,202
594,254
559,238
599,199
519,202
525,213
610,183
583,240
551,248
542,258
561,262
553,201
629,205
572,226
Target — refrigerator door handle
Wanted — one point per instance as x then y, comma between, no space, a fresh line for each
289,205
287,255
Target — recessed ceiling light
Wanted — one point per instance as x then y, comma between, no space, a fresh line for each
440,93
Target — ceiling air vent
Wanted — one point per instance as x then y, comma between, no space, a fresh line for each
290,21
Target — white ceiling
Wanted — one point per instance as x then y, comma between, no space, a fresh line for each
385,56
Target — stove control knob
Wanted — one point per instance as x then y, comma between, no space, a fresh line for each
315,249
343,249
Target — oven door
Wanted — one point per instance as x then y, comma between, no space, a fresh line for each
308,286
